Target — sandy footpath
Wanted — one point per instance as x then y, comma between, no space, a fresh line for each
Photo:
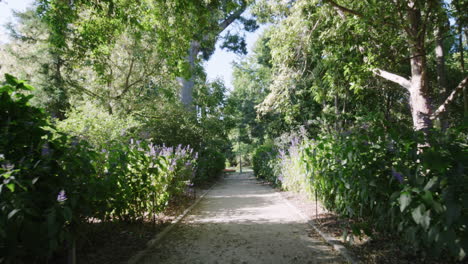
241,221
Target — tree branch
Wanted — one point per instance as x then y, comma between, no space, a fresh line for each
443,107
127,80
393,78
344,9
226,22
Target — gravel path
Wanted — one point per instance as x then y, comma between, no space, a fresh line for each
241,221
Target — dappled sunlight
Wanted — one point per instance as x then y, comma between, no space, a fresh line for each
240,221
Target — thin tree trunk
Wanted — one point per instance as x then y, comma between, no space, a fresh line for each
419,89
337,113
186,93
441,71
462,64
187,85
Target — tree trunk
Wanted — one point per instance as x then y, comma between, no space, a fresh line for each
186,93
419,88
441,72
462,64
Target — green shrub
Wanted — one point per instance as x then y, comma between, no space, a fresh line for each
43,194
377,176
373,173
140,178
263,160
52,183
210,165
291,169
98,127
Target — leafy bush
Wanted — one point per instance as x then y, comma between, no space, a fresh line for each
263,161
44,194
52,183
171,124
210,165
291,169
374,173
139,179
98,127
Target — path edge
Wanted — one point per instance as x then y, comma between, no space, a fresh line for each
350,258
138,256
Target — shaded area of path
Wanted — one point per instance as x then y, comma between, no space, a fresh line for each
241,221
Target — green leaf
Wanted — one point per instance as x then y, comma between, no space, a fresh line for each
434,233
437,207
453,212
405,200
431,183
35,180
7,174
427,197
12,213
10,79
11,186
421,216
67,213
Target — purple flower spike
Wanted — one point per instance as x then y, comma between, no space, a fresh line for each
398,176
61,197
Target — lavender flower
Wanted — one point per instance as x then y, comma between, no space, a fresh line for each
45,151
8,166
152,151
280,178
398,176
294,141
61,197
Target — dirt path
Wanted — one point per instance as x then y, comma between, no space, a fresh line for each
241,221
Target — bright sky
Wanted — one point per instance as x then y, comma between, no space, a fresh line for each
6,14
219,65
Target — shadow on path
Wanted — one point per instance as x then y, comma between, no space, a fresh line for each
241,221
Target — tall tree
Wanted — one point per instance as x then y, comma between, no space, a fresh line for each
90,28
413,18
222,15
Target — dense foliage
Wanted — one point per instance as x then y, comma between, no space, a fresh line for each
364,103
263,162
368,174
385,150
53,182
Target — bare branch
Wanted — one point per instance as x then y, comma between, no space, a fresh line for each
393,78
443,107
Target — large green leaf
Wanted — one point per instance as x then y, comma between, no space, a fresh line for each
421,216
405,200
